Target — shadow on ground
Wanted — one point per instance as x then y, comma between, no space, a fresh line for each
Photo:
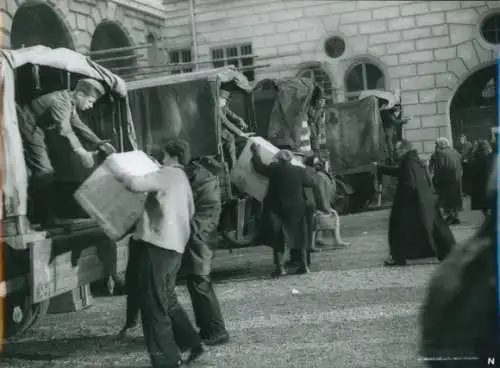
54,349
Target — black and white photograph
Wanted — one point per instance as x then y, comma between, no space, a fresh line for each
249,183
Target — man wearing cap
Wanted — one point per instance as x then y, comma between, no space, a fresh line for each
53,133
232,125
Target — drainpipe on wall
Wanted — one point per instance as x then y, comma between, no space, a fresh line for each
193,33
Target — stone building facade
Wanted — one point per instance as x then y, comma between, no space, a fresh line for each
427,49
87,26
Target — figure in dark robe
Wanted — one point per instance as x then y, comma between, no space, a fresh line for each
285,206
480,167
416,227
448,180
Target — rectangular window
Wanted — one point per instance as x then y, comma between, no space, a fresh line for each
238,55
181,56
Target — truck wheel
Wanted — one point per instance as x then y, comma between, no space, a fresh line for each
21,315
250,213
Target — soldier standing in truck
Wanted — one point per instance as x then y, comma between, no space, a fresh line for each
232,126
53,133
392,120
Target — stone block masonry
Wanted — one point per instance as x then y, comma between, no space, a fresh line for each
423,47
81,18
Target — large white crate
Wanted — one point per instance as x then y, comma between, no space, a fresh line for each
115,208
244,176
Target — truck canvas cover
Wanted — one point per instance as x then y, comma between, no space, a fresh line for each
281,106
14,173
184,106
355,136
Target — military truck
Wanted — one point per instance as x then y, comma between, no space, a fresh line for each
41,266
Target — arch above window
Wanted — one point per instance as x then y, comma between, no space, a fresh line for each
153,52
317,74
363,76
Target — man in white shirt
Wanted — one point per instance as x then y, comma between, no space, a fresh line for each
162,234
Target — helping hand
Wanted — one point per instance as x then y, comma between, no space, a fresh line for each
243,125
107,148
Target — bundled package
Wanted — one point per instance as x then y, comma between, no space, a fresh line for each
244,176
115,208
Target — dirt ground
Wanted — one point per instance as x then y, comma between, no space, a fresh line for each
349,312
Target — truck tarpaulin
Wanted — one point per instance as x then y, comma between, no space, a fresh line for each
281,105
355,136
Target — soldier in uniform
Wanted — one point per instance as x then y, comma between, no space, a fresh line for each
317,124
232,125
52,134
392,119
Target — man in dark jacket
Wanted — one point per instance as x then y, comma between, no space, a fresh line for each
480,167
448,179
285,201
416,228
200,253
310,208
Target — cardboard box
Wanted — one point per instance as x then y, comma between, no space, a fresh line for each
244,176
115,208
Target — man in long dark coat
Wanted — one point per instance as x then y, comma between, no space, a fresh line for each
286,206
448,179
416,228
480,168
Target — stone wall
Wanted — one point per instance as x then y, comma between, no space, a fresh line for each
425,48
81,18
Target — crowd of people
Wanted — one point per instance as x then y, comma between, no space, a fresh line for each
461,171
178,227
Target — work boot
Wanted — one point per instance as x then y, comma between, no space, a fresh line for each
278,272
193,354
279,263
215,340
302,270
391,262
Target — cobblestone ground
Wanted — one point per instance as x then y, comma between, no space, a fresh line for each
349,312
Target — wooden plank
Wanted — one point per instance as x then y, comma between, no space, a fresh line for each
52,269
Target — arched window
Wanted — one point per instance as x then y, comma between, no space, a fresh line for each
320,77
152,50
362,77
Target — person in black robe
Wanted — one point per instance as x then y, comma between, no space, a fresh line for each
447,180
465,148
481,166
416,227
285,206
